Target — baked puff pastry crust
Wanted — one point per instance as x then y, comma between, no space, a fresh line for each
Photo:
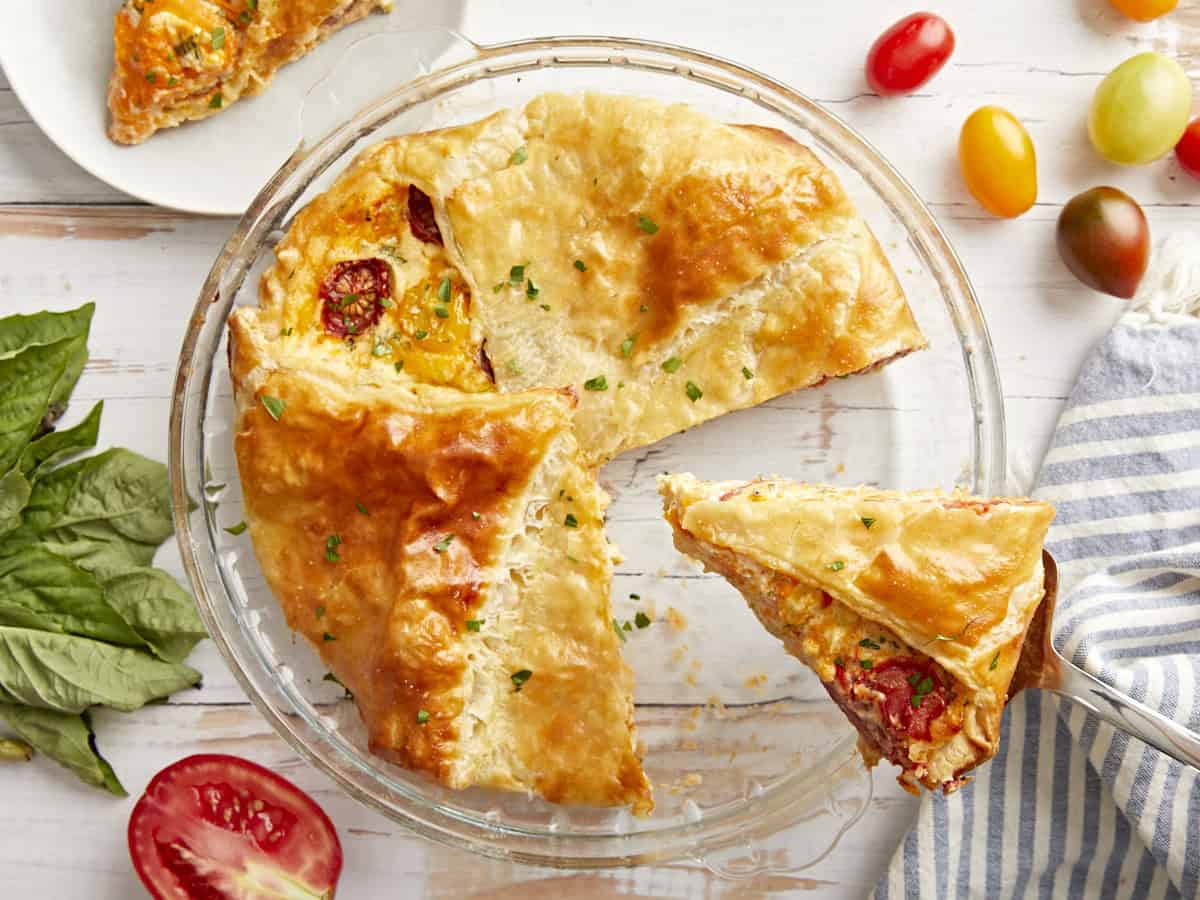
179,60
910,607
444,553
666,266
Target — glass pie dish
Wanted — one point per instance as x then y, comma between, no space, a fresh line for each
741,740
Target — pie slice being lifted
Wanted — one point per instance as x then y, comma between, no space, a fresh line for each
667,266
178,60
910,607
444,553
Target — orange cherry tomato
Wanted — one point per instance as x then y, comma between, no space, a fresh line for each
1144,10
998,162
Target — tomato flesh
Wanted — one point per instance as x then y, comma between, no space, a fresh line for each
421,221
214,827
909,53
352,296
899,680
998,161
1187,151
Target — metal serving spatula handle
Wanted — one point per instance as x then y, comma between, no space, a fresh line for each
1042,666
1127,714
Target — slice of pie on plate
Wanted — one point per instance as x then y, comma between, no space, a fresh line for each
668,267
178,60
910,607
444,553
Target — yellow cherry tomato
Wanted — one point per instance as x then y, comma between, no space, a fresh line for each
1140,110
1144,10
998,161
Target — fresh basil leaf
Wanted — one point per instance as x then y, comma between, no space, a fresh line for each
14,494
19,333
58,445
115,491
158,609
41,590
67,739
69,674
31,381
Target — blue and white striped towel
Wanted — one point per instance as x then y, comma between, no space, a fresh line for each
1071,807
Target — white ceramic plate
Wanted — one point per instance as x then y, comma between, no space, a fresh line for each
57,55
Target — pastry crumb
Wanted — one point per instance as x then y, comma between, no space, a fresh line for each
689,746
676,619
718,708
841,468
755,681
690,678
679,653
691,779
697,664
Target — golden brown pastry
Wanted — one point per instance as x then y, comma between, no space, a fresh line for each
178,60
444,553
910,607
668,267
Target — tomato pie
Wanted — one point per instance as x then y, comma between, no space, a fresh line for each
178,60
910,607
444,552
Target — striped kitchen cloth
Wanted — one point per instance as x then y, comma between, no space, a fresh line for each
1071,807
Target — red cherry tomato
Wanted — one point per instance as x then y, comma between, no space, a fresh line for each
1187,151
352,295
1104,239
216,827
909,53
421,220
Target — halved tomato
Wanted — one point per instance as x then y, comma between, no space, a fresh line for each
214,827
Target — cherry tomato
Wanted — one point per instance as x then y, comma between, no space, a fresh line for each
421,220
1188,149
215,826
1144,10
909,53
352,295
1104,239
1140,109
998,162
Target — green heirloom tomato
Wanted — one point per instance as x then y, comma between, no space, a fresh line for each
1140,109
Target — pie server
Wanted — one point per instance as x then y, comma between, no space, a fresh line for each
1041,666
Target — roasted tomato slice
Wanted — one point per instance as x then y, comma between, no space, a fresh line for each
352,295
420,217
913,694
214,827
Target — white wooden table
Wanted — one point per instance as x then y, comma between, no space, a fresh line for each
65,238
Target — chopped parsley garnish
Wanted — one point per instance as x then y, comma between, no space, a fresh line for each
995,660
331,544
837,661
923,687
580,266
151,77
672,364
422,716
218,38
399,366
172,81
518,156
362,509
380,348
274,406
442,312
747,374
238,528
516,274
914,678
643,308
545,307
570,521
635,596
531,289
599,383
475,515
444,290
866,663
328,637
837,565
627,345
641,620
215,102
287,332
474,624
625,626
320,611
420,335
869,644
693,391
443,545
647,225
867,522
617,629
520,677
514,367
386,302
244,17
